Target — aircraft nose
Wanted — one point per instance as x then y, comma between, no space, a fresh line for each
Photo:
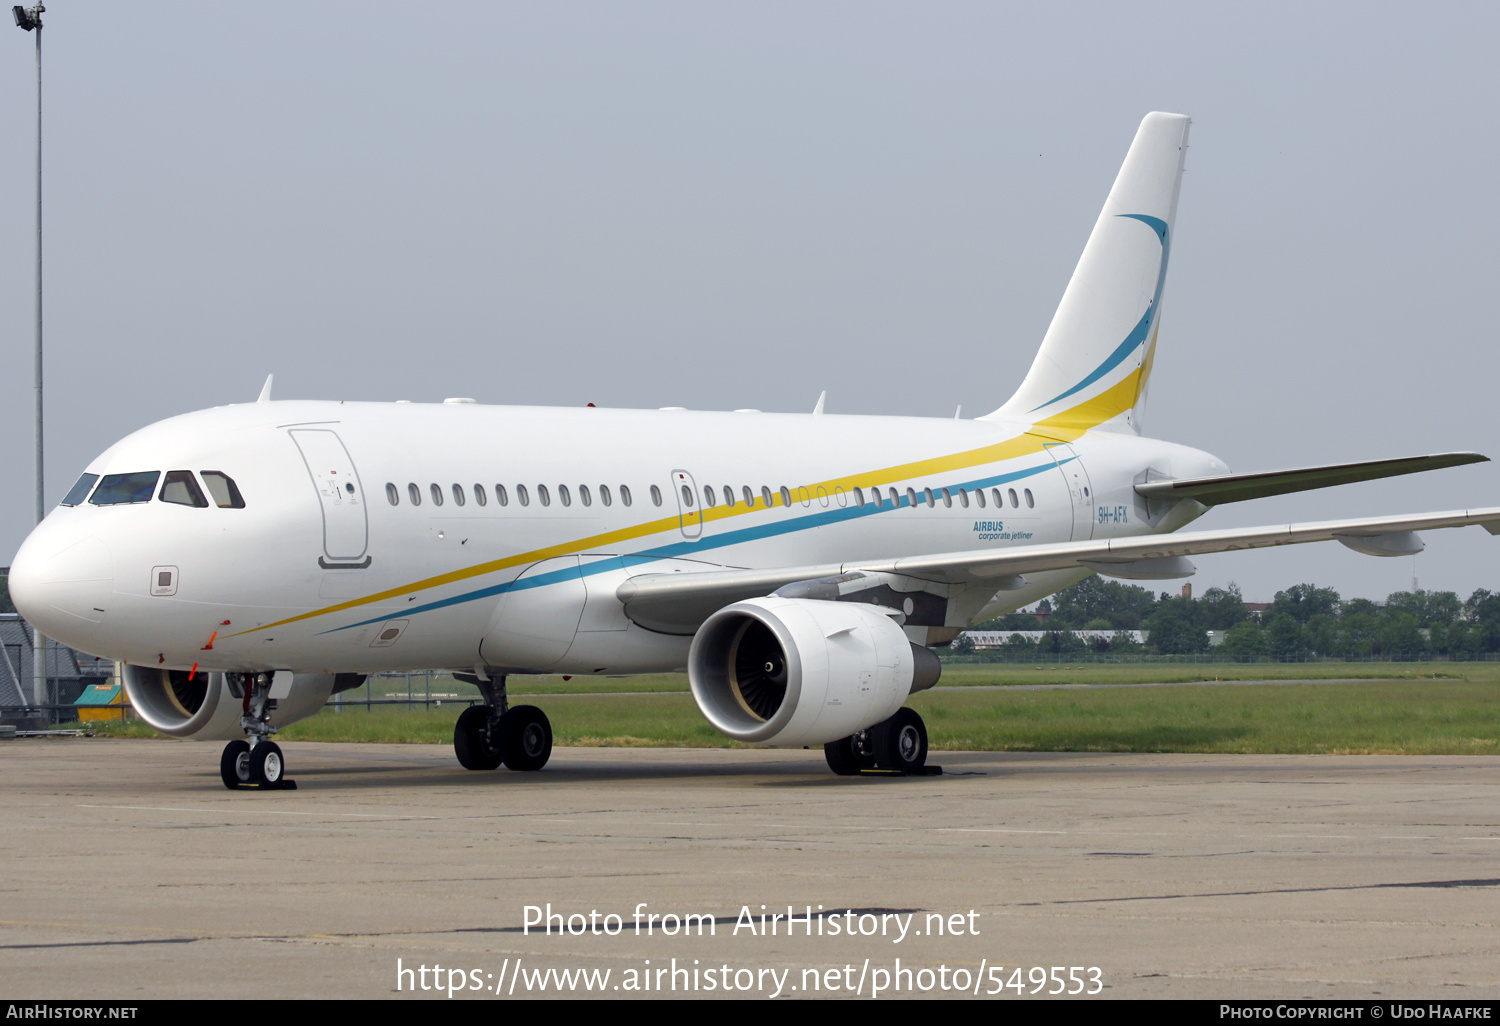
62,584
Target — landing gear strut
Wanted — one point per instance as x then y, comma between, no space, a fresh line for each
256,762
487,735
898,745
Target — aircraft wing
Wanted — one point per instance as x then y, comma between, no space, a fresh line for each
687,598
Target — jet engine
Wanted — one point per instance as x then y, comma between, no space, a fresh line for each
790,672
208,706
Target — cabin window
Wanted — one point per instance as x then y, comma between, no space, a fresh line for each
655,496
604,494
911,497
947,499
543,496
709,499
786,496
963,497
804,496
1030,502
414,494
584,496
80,491
123,489
749,496
765,494
564,496
522,495
687,497
392,494
181,489
437,493
859,497
625,495
979,497
728,496
1014,502
458,495
501,496
479,496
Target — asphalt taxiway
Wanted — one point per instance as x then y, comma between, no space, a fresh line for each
130,872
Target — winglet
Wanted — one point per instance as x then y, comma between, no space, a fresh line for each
265,391
818,409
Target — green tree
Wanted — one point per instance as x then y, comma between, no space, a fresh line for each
6,606
1304,601
1223,607
1121,606
1245,640
1284,635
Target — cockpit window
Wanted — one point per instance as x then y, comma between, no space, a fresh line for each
119,489
222,489
80,490
181,488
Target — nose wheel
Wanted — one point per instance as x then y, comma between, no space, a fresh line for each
256,762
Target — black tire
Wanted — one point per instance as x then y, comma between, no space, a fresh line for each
900,743
842,758
267,767
234,765
528,738
475,745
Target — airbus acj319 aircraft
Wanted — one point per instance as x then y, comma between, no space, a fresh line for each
247,562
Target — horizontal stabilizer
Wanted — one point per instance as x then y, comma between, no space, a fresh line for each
1211,491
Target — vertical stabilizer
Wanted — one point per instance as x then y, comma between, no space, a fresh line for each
1095,360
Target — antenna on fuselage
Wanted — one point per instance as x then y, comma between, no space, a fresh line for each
265,390
818,409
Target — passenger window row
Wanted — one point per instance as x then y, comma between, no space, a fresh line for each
480,496
947,496
767,498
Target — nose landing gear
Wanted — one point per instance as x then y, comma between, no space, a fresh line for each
256,762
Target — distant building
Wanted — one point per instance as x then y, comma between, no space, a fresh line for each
999,639
68,672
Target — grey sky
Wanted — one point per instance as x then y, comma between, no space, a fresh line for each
721,206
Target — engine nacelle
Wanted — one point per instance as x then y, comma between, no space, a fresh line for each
206,708
791,672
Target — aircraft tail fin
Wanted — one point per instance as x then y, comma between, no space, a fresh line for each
1095,360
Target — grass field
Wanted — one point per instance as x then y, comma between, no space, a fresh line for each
1417,709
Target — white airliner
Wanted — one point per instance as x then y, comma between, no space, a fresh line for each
246,562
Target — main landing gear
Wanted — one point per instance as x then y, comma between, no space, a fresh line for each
487,735
256,762
896,745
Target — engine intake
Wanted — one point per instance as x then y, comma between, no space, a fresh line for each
205,707
791,672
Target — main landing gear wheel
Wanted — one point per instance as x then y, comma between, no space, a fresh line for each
528,738
478,745
900,743
267,769
848,755
234,765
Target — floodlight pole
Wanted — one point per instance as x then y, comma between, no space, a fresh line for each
30,19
